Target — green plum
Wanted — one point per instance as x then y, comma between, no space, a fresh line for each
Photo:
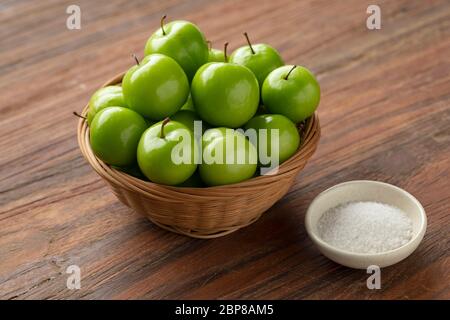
156,87
187,118
110,96
291,91
216,55
157,153
115,134
225,94
228,157
260,58
182,41
188,105
288,136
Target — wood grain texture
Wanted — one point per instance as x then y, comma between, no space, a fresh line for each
385,115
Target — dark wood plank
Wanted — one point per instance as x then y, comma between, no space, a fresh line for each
384,113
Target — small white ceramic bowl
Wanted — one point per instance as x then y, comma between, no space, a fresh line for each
365,190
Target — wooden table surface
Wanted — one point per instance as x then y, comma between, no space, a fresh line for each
385,115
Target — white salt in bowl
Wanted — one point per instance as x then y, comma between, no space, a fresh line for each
365,190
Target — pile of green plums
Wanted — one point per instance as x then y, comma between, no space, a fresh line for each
135,126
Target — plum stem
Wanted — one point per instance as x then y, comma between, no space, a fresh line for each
135,58
249,43
162,24
292,69
225,46
209,45
165,121
79,115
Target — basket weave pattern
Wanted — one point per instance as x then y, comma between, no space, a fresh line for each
203,212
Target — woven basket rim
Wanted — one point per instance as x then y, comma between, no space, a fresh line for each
309,142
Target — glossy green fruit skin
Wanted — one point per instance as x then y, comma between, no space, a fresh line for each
110,96
225,94
154,154
262,62
183,42
296,98
216,174
189,104
187,118
115,134
288,136
216,55
156,88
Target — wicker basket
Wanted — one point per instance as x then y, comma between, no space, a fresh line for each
203,212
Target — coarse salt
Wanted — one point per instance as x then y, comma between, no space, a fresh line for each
365,227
